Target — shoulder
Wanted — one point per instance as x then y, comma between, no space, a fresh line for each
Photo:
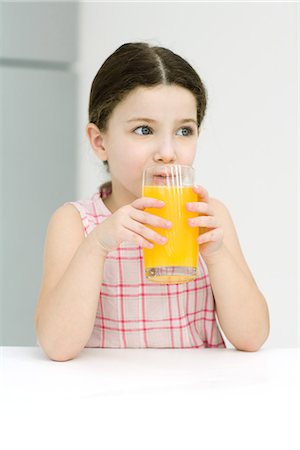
64,235
65,231
220,209
224,219
67,219
66,211
216,203
230,236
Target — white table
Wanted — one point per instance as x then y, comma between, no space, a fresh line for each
151,399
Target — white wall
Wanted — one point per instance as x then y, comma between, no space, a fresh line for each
246,54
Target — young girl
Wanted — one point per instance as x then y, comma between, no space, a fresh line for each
146,107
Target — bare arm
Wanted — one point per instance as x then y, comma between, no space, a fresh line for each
73,271
241,307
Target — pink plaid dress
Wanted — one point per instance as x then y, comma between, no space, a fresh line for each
135,313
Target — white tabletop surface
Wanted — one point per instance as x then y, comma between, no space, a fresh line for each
151,399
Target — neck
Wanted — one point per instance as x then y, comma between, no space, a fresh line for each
118,198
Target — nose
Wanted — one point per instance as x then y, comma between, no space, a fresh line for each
166,153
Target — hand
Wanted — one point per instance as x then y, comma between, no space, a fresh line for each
128,224
211,233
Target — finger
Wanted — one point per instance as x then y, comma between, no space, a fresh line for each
204,222
202,192
150,219
211,236
145,232
200,207
147,202
133,237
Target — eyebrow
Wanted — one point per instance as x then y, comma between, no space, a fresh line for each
145,119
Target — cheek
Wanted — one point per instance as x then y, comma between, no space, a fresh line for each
187,155
123,147
126,160
133,154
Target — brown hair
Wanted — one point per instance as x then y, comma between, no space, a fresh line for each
138,64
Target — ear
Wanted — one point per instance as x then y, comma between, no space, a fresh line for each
96,138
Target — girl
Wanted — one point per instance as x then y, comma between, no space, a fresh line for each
146,107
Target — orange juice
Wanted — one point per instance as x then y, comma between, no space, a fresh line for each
180,253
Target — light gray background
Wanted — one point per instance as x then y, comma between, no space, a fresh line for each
38,45
247,55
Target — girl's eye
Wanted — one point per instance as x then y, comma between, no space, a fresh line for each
142,128
186,131
145,130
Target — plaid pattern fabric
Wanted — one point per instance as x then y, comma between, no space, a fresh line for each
135,313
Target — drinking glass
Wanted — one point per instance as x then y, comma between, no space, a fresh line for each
177,260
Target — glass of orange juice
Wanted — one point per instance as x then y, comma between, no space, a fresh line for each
177,260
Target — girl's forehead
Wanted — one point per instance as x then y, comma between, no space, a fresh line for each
160,91
153,99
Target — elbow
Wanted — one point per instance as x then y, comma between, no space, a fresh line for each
59,356
54,348
56,352
249,347
252,345
61,353
255,338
